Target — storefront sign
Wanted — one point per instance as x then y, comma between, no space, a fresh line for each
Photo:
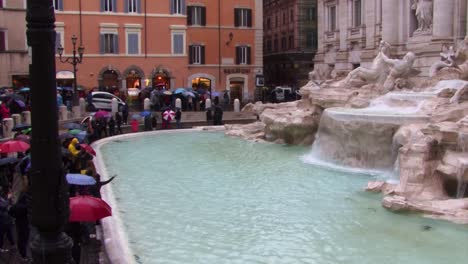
236,70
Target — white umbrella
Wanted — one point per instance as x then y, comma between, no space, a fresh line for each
168,115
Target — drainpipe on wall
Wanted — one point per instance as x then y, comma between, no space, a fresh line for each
219,45
146,39
81,25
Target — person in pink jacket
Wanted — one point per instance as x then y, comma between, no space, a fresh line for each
134,125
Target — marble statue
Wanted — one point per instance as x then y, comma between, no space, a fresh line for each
377,73
447,60
423,11
398,69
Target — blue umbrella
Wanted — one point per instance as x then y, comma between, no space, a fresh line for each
214,94
80,179
180,91
72,126
135,116
20,103
81,136
24,89
59,88
145,113
191,94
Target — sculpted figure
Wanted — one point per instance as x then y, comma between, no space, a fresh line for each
375,74
398,69
447,60
423,12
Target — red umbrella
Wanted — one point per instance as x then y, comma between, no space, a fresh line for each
102,113
14,146
168,115
88,149
88,209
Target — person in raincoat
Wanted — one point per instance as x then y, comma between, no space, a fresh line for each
75,149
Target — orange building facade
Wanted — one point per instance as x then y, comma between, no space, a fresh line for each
214,45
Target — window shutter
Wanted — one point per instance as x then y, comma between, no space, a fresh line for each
57,41
203,16
249,61
102,5
189,15
172,2
102,46
202,54
236,17
138,6
190,50
238,55
126,6
133,43
114,6
116,43
249,17
60,5
2,41
178,44
183,7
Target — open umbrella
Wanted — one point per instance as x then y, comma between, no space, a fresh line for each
88,209
214,94
81,136
88,149
135,116
20,127
24,89
74,131
168,115
72,126
167,93
145,113
180,91
26,131
189,93
102,114
8,160
20,103
80,179
14,146
65,136
24,138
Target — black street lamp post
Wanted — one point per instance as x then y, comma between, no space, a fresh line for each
74,60
49,205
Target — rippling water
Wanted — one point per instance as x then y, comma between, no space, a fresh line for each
207,198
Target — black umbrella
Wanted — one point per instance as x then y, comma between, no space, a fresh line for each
20,127
9,160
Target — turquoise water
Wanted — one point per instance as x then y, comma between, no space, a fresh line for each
207,198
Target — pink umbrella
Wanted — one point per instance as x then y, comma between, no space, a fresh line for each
168,115
102,113
14,146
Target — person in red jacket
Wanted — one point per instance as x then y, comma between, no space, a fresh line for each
134,125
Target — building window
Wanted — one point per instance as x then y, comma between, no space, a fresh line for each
178,7
268,23
357,13
291,42
196,54
275,45
59,39
242,55
268,45
108,6
332,18
1,3
132,6
242,17
178,43
291,15
3,45
311,14
109,43
284,18
276,21
196,15
283,43
58,5
133,42
311,40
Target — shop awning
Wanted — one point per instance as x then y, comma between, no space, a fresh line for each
64,75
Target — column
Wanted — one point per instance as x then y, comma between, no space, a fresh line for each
444,11
390,19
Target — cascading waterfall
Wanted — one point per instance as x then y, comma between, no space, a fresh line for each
461,182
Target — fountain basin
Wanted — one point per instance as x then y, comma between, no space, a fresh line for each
193,197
